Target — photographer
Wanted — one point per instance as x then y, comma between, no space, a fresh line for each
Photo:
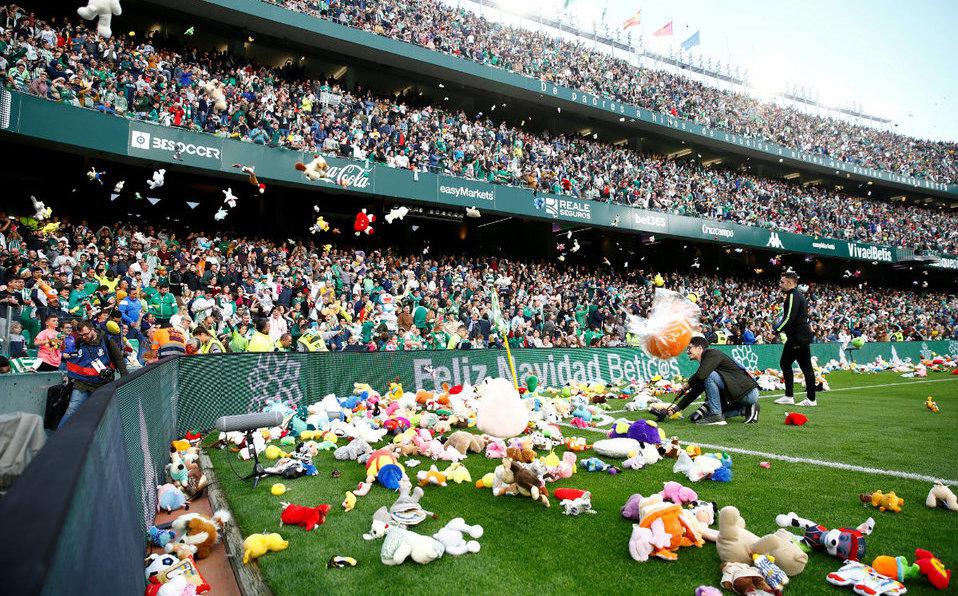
91,361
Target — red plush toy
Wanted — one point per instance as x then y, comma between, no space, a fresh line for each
308,517
932,568
570,494
363,223
795,419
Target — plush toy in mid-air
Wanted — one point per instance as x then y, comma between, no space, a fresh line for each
363,223
473,213
396,213
214,92
158,179
103,11
315,169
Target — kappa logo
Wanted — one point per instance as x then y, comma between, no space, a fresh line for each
774,241
140,140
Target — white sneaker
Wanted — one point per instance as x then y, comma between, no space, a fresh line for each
785,401
807,403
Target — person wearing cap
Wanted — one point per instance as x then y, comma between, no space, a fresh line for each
163,305
798,338
730,390
208,343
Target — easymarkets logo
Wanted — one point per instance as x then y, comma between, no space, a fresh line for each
466,192
823,245
566,208
716,231
146,141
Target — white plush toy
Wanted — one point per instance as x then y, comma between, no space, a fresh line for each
644,456
158,179
696,469
500,411
229,198
314,170
452,537
401,543
473,213
396,213
619,447
214,92
104,9
41,211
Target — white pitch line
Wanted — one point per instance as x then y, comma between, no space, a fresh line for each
832,390
805,460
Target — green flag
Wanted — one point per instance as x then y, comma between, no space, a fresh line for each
498,323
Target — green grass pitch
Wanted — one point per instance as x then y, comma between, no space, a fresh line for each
872,421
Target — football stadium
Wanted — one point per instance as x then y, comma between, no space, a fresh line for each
465,296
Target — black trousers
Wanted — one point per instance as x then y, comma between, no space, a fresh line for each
790,353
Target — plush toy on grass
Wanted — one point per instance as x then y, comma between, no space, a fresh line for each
646,540
594,464
695,469
649,510
931,404
737,544
744,579
795,419
103,11
883,501
458,473
700,515
896,568
401,543
678,494
865,581
932,568
843,543
257,545
356,450
307,517
453,537
431,476
577,506
500,411
464,442
407,510
773,575
942,496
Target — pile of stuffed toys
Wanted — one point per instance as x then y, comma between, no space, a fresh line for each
413,442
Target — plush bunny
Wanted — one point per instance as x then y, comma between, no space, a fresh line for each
452,537
401,543
103,11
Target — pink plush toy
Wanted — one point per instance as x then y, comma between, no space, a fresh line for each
496,449
579,423
678,494
567,465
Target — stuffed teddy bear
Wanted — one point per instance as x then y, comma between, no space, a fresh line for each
103,11
452,536
844,543
670,448
521,450
499,410
199,533
942,496
308,517
315,169
257,545
214,92
401,543
503,481
357,450
528,482
744,579
176,470
735,544
883,501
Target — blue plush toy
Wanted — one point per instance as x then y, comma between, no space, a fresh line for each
594,464
723,474
352,401
170,498
160,537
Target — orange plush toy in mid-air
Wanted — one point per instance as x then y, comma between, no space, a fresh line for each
669,327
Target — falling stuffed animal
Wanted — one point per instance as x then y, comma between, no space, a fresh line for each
362,224
214,92
473,213
314,170
95,176
220,215
229,198
40,211
103,11
396,213
250,171
157,180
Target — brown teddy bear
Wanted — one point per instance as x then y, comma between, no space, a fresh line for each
744,579
735,544
198,533
464,442
529,483
521,451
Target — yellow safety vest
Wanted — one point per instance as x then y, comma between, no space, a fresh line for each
205,348
260,343
721,338
312,342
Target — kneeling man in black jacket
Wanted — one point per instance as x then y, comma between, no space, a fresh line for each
730,391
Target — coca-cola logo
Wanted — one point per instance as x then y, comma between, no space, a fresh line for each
349,176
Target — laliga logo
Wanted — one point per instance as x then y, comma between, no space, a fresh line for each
774,241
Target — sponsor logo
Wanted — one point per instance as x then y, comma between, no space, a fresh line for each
745,356
823,245
716,231
774,241
469,193
567,208
650,220
349,175
869,253
147,141
5,99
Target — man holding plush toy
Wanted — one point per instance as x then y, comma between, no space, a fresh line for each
730,391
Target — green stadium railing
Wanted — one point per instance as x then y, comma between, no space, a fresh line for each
75,520
262,17
132,140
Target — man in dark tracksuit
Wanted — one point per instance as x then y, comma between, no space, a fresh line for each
798,338
730,391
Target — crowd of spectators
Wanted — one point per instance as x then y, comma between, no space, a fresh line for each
256,294
65,62
455,30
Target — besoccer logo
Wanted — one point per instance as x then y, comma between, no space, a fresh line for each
552,207
774,241
140,140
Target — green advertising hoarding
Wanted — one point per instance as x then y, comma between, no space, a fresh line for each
210,386
325,33
174,147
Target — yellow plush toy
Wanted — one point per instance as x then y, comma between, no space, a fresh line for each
486,481
349,502
274,452
883,501
257,545
456,472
